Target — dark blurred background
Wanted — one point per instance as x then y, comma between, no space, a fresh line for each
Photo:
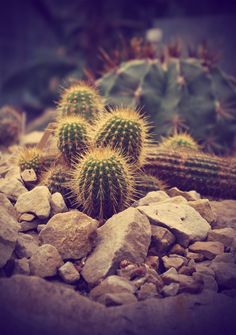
44,42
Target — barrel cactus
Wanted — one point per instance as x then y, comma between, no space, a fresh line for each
124,129
102,182
182,141
31,158
178,95
81,99
10,125
72,136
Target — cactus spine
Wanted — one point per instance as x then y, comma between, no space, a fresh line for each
207,174
31,158
81,99
72,136
102,182
124,129
179,142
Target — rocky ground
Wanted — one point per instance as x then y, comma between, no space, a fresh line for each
166,265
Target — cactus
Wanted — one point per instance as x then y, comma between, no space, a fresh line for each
145,183
102,182
179,142
178,95
207,174
126,130
31,158
10,125
81,99
72,136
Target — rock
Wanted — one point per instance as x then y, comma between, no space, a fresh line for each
225,274
225,213
125,235
209,282
146,291
27,226
175,261
9,228
58,204
151,197
117,299
178,250
189,196
223,235
69,273
64,311
187,270
26,246
12,187
22,266
197,257
112,284
178,200
32,138
45,261
170,290
40,227
28,217
185,223
162,239
186,283
208,249
72,233
228,257
203,207
153,262
204,269
29,177
36,201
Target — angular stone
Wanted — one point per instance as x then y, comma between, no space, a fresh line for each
209,282
26,246
12,187
204,269
112,284
36,201
162,239
175,261
203,207
153,197
45,261
186,283
184,222
225,274
58,204
117,299
27,226
223,235
208,249
125,235
228,257
178,200
72,233
29,177
9,228
197,257
22,266
178,250
170,290
28,217
147,291
187,270
69,273
225,213
189,196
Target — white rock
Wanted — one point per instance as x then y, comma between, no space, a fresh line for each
147,290
45,262
203,207
36,201
69,273
22,266
58,204
223,235
175,261
126,235
154,196
170,290
190,195
26,246
117,299
12,187
208,249
185,223
162,239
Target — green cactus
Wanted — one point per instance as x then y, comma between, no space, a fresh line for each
123,129
31,158
102,182
10,126
145,183
72,136
207,174
81,99
182,141
178,95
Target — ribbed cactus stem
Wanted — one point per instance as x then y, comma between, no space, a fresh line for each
182,141
102,182
209,175
31,158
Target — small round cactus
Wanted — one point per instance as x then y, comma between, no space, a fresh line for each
81,99
102,182
124,129
180,142
31,158
72,136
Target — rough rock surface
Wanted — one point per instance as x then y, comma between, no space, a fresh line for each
126,235
223,235
203,207
12,187
36,201
58,204
72,233
64,311
225,274
26,246
225,213
45,261
153,197
208,249
186,223
162,239
69,273
190,195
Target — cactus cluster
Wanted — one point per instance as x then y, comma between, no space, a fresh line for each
10,126
30,158
178,95
182,141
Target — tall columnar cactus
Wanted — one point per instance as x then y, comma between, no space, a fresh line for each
72,136
102,182
207,174
31,158
178,95
10,125
182,141
81,99
124,129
